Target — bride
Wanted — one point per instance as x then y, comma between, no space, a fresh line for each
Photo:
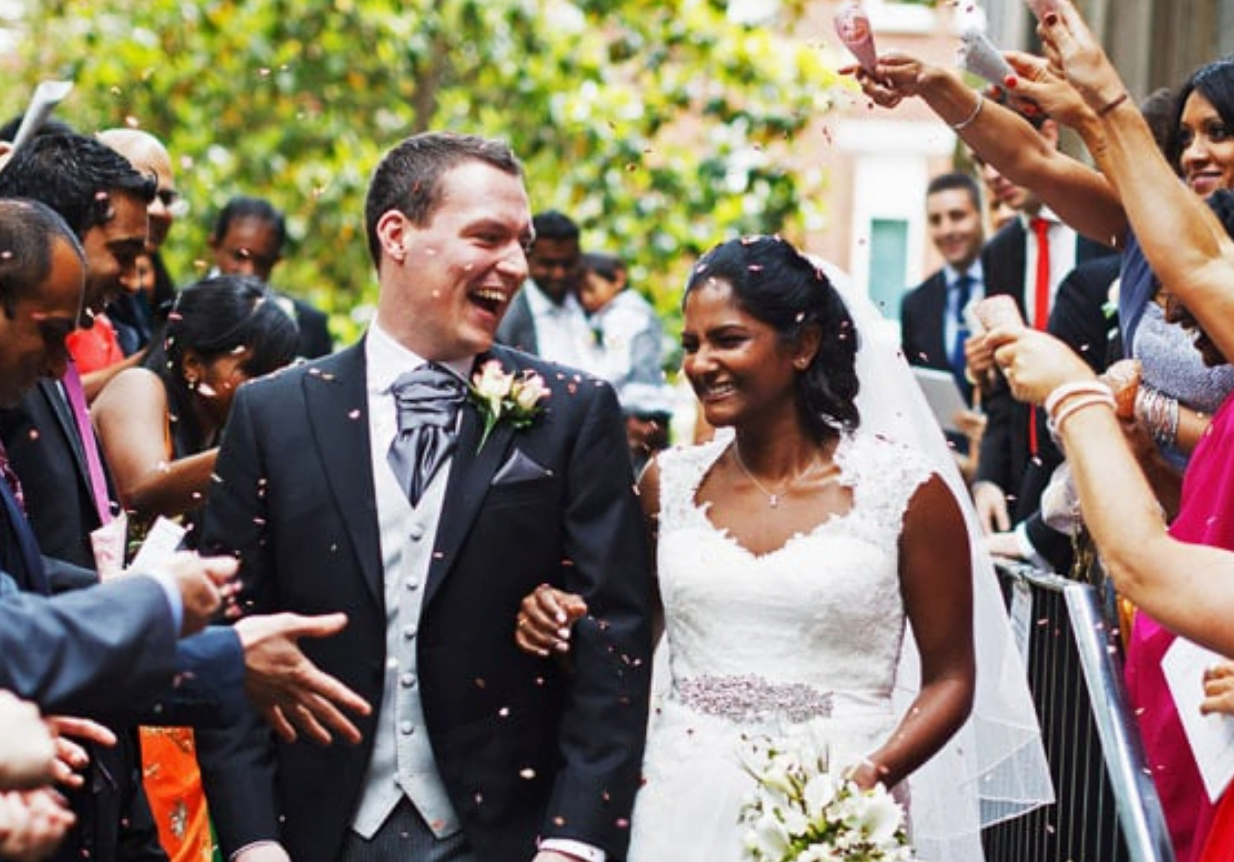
795,552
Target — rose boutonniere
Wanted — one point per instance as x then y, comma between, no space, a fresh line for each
509,397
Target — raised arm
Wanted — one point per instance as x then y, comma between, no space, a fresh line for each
1185,244
1188,588
999,136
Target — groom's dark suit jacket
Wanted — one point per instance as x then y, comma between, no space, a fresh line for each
524,746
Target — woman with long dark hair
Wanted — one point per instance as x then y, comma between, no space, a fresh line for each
159,424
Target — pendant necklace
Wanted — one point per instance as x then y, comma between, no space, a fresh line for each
773,497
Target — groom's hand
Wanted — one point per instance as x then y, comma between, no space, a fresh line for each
289,689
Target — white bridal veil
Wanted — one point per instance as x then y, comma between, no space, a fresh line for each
994,768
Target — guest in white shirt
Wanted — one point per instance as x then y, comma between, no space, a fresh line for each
545,318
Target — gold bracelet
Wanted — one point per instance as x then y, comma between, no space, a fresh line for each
968,121
1112,104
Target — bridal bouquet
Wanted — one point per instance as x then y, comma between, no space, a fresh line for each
805,809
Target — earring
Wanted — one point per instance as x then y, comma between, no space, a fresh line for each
190,380
800,363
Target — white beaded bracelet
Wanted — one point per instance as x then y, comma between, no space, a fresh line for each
1074,405
1076,387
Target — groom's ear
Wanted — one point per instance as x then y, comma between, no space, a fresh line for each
392,234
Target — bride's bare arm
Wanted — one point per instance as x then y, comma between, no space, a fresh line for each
937,586
547,613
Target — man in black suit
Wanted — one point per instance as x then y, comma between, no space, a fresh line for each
546,318
55,652
1017,454
932,313
933,327
103,199
66,499
478,751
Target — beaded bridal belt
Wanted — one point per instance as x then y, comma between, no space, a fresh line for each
750,699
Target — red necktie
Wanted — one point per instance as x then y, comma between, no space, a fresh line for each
1041,306
1041,298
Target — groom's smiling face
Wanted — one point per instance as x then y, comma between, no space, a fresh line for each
447,283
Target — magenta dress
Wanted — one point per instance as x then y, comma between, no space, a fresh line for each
1205,517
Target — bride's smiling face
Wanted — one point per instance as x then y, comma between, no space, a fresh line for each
738,365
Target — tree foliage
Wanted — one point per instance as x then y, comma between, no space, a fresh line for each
659,125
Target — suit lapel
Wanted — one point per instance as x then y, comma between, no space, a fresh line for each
49,390
27,570
337,406
936,350
471,473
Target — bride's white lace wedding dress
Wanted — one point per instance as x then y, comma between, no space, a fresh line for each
760,644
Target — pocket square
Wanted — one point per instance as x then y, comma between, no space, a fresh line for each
520,468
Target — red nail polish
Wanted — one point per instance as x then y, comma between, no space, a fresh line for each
1051,18
1011,82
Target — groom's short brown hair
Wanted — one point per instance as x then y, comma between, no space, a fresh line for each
408,179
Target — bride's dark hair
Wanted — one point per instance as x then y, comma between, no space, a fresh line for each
776,284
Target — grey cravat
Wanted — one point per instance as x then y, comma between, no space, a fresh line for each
427,401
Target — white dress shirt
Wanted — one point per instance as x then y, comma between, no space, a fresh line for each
562,333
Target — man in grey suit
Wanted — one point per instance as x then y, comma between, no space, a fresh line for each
477,751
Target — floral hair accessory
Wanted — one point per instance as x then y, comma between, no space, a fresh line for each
504,396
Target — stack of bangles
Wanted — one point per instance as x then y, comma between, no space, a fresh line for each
1159,413
1073,397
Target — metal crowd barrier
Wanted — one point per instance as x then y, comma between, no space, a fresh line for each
1107,808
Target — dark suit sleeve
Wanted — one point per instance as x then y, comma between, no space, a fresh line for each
238,762
54,651
921,324
994,464
314,325
1003,265
607,544
1079,317
207,690
911,345
63,576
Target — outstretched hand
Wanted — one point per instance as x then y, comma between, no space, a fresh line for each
1035,363
544,620
897,77
71,757
1039,82
32,824
1073,48
1218,689
205,583
27,747
290,690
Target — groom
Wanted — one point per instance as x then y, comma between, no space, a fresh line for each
371,482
